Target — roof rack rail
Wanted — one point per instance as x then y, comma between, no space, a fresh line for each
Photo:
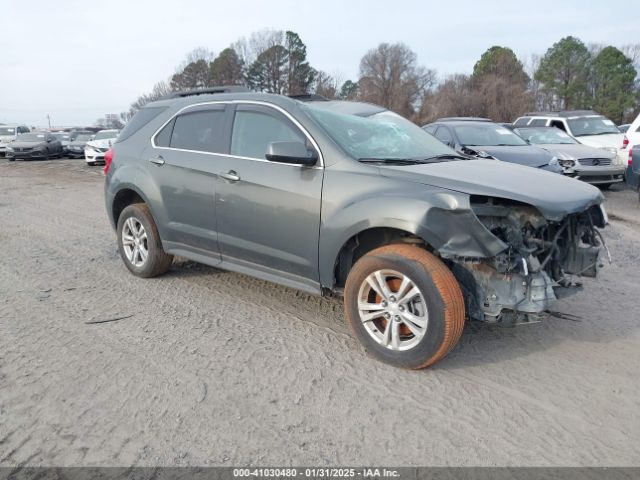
209,91
309,97
464,119
561,113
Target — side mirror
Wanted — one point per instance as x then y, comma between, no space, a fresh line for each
49,140
291,152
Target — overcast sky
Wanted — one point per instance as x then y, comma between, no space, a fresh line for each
77,60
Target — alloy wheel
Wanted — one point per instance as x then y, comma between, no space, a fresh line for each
134,241
393,310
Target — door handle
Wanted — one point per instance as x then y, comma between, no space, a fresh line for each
231,175
157,160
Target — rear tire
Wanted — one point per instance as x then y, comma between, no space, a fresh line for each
139,242
413,289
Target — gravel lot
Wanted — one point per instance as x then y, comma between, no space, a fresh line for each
216,368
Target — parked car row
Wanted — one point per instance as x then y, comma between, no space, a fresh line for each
580,144
17,142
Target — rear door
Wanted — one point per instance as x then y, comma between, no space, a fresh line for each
184,159
268,212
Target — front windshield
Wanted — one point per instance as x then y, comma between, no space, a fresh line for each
31,137
384,135
545,136
487,134
7,131
104,134
591,126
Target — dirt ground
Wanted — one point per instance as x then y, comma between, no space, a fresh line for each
216,368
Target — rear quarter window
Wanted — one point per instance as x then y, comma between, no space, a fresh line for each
139,120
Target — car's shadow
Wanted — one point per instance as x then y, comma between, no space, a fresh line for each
481,343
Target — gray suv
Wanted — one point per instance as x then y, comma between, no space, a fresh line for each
349,199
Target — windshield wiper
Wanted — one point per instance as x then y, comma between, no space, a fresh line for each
391,161
415,161
444,156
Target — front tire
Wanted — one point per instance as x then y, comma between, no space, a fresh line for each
404,305
139,242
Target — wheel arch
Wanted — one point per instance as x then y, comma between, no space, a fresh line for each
125,196
366,239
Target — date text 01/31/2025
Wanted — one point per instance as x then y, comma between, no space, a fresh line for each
316,472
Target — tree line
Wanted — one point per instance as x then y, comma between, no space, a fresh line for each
569,75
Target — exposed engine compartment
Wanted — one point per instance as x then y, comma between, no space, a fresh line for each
538,265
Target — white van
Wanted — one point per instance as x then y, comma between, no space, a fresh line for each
8,133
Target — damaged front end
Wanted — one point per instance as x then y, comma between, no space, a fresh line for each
538,264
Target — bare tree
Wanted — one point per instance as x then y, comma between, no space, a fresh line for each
257,43
328,85
390,76
453,98
198,53
160,89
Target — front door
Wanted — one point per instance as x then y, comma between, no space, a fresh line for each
268,212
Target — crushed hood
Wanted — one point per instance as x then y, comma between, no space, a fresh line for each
554,195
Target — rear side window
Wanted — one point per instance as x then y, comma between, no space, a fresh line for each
254,130
139,120
521,122
202,131
538,122
430,129
558,124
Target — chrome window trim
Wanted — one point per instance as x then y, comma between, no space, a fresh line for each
242,102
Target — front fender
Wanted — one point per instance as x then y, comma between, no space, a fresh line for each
442,218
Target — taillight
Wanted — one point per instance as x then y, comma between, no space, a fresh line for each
108,158
630,161
625,142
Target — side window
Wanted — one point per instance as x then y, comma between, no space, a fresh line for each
521,122
538,122
202,131
558,124
430,129
163,138
444,135
254,129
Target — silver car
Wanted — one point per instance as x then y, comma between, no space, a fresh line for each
593,165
